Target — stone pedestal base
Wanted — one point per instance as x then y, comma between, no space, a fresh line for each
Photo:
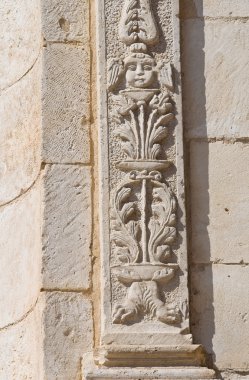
189,355
93,372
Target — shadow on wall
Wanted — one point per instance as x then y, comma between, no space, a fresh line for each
197,175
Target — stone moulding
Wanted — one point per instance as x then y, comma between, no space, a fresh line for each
93,372
144,293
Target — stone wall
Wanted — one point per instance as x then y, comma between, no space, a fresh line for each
49,185
68,187
20,190
215,83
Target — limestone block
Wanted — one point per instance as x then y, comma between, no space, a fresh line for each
67,227
219,202
220,315
66,21
214,8
20,128
20,39
20,249
225,8
68,334
21,356
215,79
66,110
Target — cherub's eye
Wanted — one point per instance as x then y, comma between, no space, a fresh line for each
147,67
132,67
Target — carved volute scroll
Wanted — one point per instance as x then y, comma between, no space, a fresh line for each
143,251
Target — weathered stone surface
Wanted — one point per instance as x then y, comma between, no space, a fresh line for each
21,354
142,239
219,202
92,372
68,334
20,247
65,21
215,80
214,8
20,39
20,128
235,375
220,315
66,110
67,227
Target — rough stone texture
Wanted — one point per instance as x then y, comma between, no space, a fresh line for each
237,375
65,21
67,227
214,8
20,124
215,80
219,202
20,247
66,111
21,356
220,317
68,334
20,39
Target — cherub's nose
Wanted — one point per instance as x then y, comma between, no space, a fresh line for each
140,70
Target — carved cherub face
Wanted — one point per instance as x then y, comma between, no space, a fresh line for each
139,71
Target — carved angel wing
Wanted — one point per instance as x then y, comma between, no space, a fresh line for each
114,72
166,76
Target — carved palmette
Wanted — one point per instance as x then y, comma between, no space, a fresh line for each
143,221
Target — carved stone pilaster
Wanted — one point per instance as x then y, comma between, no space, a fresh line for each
144,291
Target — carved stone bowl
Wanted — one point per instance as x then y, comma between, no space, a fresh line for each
128,274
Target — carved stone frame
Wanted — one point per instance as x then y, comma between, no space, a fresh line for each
131,344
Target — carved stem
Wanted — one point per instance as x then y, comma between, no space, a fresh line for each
135,131
149,127
152,246
142,127
144,221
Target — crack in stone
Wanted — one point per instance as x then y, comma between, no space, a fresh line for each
242,264
219,18
22,318
73,42
23,192
86,293
226,140
26,73
86,164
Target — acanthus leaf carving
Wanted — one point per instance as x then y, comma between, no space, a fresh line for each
137,220
143,126
124,228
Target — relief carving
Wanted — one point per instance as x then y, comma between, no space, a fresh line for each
137,23
143,224
143,230
144,299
